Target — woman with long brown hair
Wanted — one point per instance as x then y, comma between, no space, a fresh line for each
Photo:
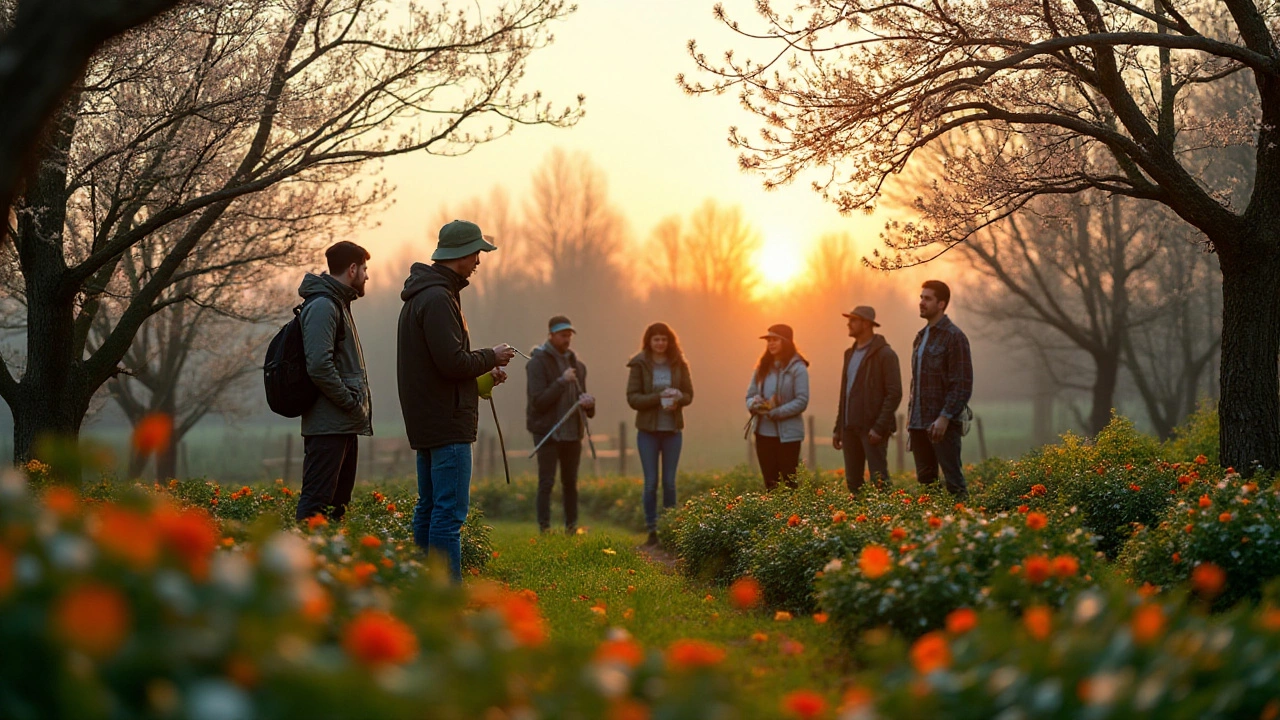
777,398
658,388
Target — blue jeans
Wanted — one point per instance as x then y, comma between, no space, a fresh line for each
650,445
444,491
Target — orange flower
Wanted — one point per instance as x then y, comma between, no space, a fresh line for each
152,434
361,572
804,704
744,593
624,652
524,620
1205,501
898,534
1038,490
317,521
935,521
759,637
7,561
793,521
791,647
1224,517
370,541
838,517
93,618
820,617
1269,619
314,602
1038,569
1037,520
931,652
860,518
782,616
961,621
1208,579
377,639
1147,624
1134,487
128,535
1201,460
391,507
874,561
191,534
693,654
1039,621
1065,566
63,502
1024,509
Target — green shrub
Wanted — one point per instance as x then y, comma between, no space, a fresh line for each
1230,523
1105,655
1114,500
1196,437
962,559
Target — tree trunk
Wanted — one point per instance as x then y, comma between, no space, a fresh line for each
1249,411
1104,392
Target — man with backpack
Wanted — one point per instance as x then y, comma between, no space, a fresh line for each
335,364
436,372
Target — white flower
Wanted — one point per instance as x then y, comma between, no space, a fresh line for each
834,565
287,554
218,700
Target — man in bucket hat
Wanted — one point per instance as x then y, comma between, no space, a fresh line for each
436,371
870,392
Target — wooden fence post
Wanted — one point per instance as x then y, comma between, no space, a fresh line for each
813,445
751,452
622,448
982,438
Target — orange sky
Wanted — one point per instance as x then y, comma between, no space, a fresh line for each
662,151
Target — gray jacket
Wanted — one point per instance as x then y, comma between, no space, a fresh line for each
791,400
344,406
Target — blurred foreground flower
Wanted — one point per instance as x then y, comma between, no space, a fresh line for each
152,434
377,639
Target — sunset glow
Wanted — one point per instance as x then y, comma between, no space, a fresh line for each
779,262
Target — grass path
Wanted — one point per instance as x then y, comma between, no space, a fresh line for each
605,569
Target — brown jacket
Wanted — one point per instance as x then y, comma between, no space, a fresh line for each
646,401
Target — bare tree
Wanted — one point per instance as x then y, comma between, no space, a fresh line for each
719,248
1083,95
574,232
222,108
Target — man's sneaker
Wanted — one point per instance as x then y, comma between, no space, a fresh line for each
653,539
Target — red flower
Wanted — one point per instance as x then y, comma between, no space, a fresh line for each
625,652
191,534
804,704
898,534
1205,501
1224,517
376,639
1208,579
962,621
744,593
874,561
370,541
94,618
1037,521
1147,624
1065,566
693,654
935,521
930,652
1039,621
793,521
152,434
1038,569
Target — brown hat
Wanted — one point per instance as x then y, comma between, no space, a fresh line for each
779,331
866,312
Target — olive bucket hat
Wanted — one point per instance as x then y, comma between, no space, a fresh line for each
459,239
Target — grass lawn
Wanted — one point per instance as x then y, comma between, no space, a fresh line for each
605,569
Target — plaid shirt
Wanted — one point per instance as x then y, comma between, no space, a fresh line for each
943,382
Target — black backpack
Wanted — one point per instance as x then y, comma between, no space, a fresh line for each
290,391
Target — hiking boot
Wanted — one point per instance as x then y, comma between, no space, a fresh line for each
652,541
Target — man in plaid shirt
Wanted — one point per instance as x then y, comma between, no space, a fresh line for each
941,383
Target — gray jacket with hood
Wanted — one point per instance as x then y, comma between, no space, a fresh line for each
344,406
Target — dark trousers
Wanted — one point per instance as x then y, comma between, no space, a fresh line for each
929,455
860,452
778,460
568,453
328,475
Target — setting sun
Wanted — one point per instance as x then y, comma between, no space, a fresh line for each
778,261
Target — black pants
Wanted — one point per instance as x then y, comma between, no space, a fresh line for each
860,452
946,453
778,460
328,475
568,453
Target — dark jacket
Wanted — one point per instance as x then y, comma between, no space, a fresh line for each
436,369
550,397
646,401
877,390
344,406
946,375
